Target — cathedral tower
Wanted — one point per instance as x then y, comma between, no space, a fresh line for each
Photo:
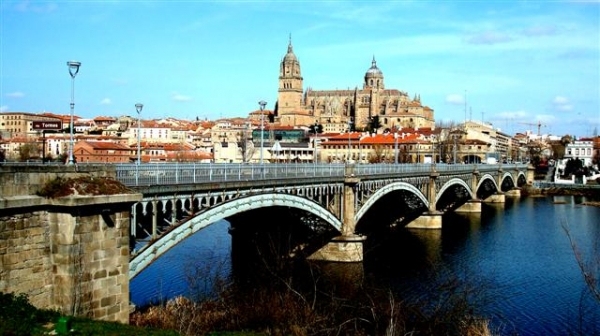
373,77
289,97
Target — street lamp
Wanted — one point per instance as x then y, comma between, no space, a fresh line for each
73,70
433,141
138,109
316,140
349,128
262,104
396,147
454,149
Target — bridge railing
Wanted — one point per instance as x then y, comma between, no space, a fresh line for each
192,173
375,169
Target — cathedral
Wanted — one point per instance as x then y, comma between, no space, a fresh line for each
339,110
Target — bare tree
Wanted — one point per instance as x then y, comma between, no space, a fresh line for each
28,151
245,147
445,139
380,152
590,269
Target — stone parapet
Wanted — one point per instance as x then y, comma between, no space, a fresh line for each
28,179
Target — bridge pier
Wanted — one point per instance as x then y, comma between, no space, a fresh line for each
348,247
496,198
472,206
432,219
428,220
516,192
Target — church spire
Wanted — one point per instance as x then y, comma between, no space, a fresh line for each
290,48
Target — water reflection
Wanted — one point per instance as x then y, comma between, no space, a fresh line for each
517,254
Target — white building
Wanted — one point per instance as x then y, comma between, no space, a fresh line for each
580,149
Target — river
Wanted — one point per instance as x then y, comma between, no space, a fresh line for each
517,253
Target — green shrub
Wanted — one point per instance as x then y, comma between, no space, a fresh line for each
19,317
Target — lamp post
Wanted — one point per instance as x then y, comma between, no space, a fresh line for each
396,147
349,128
262,104
433,141
454,149
138,109
73,70
316,140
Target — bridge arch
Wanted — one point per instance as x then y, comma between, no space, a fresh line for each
222,211
505,177
483,179
388,188
452,182
521,179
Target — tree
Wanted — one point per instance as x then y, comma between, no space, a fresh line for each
28,151
380,153
590,269
558,148
315,129
246,147
374,124
446,140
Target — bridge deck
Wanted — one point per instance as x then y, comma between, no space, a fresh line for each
169,174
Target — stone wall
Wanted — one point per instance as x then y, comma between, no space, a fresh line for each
25,263
27,179
69,253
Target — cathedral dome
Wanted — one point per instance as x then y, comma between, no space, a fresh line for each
290,56
374,70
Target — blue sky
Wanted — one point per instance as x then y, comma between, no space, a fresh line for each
515,62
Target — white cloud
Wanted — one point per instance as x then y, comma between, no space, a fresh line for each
545,119
561,103
539,30
16,94
106,101
489,37
514,115
455,99
560,100
27,6
180,98
3,108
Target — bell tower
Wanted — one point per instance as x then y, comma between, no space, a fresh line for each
289,97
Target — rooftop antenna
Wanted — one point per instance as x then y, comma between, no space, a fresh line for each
465,106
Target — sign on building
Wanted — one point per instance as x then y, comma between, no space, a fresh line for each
47,125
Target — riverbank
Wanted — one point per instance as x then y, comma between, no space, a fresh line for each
562,191
593,193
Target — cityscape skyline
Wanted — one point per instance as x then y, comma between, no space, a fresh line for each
514,64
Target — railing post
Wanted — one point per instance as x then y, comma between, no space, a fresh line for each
194,172
154,218
432,193
474,182
156,173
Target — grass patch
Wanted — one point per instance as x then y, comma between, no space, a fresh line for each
19,318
